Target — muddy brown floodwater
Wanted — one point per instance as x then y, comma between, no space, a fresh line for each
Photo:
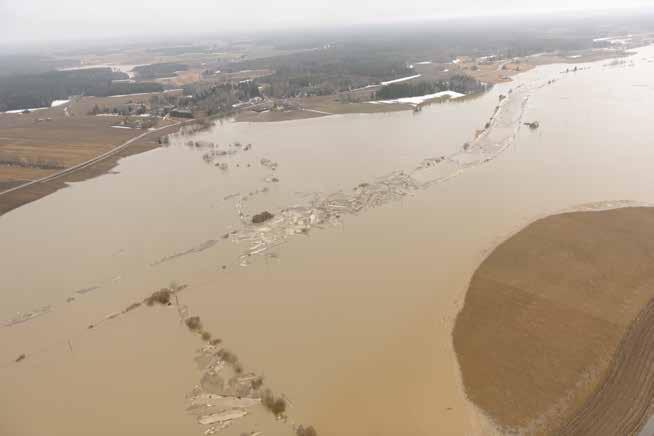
347,315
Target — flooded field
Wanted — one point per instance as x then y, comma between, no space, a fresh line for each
343,298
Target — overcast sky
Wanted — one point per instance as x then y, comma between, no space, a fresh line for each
42,20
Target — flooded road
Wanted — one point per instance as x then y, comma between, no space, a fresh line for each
350,318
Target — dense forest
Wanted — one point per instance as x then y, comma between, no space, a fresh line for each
27,64
40,90
158,71
324,71
459,83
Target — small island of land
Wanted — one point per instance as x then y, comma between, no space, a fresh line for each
556,332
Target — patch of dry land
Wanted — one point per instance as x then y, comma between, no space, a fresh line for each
44,142
318,106
557,329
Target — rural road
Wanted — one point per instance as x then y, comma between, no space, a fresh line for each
88,162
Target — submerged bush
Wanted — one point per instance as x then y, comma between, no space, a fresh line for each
277,405
227,356
309,431
193,323
257,383
161,296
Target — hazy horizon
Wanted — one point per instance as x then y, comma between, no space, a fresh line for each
34,21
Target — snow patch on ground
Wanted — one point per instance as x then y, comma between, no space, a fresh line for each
56,103
402,79
421,98
20,111
146,93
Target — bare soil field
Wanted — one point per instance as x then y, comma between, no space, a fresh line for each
83,105
49,141
44,142
547,340
20,197
622,402
319,106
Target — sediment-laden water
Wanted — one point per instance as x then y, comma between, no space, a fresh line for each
344,300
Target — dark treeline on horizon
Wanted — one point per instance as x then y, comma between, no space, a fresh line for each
40,90
459,83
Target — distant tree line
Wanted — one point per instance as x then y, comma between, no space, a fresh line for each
220,98
324,72
40,90
157,71
459,83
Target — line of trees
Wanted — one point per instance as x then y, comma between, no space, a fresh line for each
157,71
214,99
458,83
40,90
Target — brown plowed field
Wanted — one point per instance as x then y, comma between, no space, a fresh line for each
544,316
622,402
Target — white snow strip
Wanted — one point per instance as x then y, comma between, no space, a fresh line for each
423,63
421,99
574,57
402,79
145,93
318,112
56,103
20,111
121,127
615,40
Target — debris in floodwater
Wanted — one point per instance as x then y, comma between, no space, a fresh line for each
223,166
132,307
70,299
223,395
27,316
433,161
329,209
326,210
21,358
230,196
87,290
533,125
262,217
222,417
271,179
269,164
204,246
